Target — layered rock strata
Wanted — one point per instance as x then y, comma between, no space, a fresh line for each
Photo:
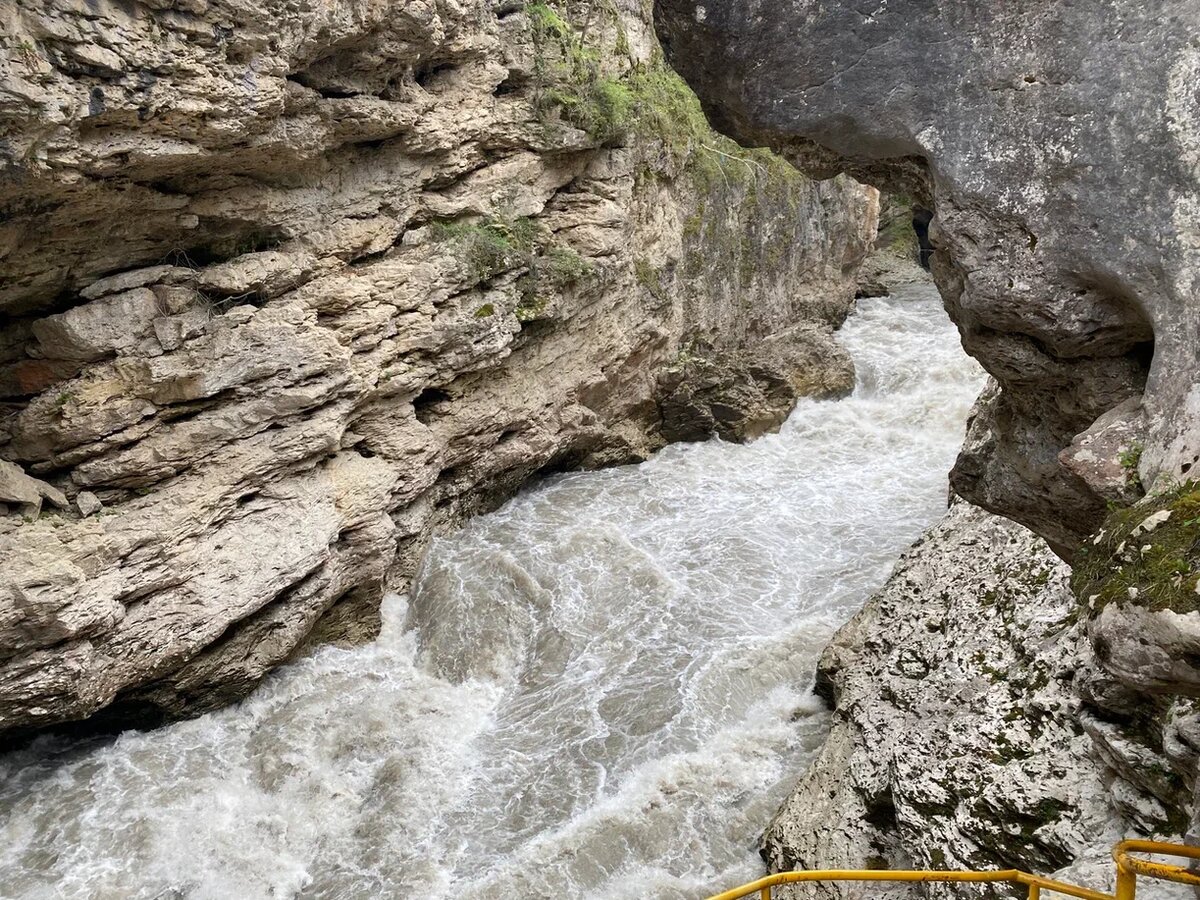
286,289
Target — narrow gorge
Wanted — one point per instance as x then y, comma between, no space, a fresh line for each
1057,148
602,689
441,455
282,306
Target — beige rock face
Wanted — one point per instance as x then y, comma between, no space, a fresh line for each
288,289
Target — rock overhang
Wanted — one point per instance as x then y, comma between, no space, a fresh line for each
1058,145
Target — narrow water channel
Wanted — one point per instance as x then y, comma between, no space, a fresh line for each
602,690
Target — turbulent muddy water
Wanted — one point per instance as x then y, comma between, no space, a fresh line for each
601,690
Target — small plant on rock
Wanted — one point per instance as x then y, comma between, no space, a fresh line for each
1148,554
490,246
1130,458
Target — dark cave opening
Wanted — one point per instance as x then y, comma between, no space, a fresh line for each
920,222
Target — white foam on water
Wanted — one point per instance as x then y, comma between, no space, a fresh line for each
601,690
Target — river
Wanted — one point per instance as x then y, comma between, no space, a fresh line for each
601,690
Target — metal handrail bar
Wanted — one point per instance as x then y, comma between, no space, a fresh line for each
1129,867
1036,883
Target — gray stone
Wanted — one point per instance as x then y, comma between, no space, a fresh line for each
124,281
256,274
1013,122
1150,651
100,328
88,503
743,394
18,488
1105,456
958,741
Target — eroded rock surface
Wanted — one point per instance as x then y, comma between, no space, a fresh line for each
288,288
966,735
1059,145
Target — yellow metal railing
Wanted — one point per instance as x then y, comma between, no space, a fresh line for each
1129,867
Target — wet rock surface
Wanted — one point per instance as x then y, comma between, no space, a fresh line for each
742,395
1012,124
962,737
286,290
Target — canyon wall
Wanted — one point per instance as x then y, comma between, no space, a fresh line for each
1059,148
974,730
284,290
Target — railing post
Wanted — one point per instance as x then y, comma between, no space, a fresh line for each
1035,892
1126,883
765,894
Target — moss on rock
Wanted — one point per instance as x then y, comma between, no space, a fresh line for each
1148,554
488,246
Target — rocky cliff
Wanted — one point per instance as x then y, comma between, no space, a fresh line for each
1013,123
969,732
286,289
1058,147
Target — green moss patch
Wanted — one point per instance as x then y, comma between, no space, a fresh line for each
570,80
551,271
1147,554
647,100
665,109
490,246
896,232
585,78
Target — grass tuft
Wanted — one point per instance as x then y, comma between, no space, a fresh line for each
1157,568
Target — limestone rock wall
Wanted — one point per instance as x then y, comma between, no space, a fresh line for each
1058,147
964,735
285,289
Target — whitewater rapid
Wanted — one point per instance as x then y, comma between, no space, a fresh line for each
601,690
